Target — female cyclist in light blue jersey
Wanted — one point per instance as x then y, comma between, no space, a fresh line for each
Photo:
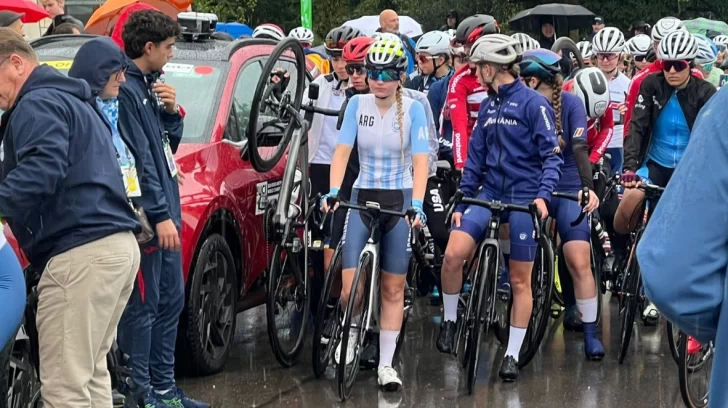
391,133
12,294
540,71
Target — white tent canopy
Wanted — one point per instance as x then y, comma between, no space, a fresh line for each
368,25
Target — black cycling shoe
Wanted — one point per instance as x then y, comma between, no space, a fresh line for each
509,369
572,320
447,337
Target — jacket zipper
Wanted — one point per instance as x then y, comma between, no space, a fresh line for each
500,145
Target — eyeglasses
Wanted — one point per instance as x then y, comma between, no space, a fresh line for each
640,58
424,58
385,75
358,69
721,47
678,66
121,73
607,56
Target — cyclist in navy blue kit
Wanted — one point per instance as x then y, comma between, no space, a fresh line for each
540,71
391,132
514,156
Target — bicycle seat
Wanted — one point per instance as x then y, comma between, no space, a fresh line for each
443,165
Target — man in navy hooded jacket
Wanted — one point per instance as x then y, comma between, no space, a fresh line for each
149,112
63,195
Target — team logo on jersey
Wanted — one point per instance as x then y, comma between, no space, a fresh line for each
395,125
578,133
640,99
546,120
600,107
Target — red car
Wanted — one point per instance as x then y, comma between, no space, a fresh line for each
224,251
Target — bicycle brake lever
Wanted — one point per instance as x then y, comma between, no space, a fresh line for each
584,202
536,217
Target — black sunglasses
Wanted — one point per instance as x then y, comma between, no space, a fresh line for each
639,58
679,66
358,69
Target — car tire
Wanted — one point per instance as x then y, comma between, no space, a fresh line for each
214,254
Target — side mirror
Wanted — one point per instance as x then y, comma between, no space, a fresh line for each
313,91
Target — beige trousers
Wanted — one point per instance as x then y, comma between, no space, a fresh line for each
82,294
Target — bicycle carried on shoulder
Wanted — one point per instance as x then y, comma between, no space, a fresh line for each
287,226
479,313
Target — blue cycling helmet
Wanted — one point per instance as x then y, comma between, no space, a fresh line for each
707,50
542,64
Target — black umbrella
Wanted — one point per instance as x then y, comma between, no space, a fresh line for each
564,17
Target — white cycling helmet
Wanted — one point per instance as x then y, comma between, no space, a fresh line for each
496,49
451,33
387,54
721,41
302,34
592,87
527,42
270,31
678,45
639,45
386,37
434,43
707,52
585,48
608,40
665,26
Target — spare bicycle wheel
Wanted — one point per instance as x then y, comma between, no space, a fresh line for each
270,125
696,367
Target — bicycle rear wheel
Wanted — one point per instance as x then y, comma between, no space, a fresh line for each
268,136
327,329
287,304
346,373
695,372
628,303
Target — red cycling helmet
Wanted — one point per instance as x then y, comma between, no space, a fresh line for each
356,49
473,28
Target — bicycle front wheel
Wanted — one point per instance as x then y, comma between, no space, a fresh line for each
628,303
542,281
269,130
287,305
485,309
327,329
673,340
696,367
346,372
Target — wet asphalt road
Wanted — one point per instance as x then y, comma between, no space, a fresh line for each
559,376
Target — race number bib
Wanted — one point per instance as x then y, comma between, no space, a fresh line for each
170,158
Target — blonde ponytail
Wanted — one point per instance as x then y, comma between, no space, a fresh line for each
400,119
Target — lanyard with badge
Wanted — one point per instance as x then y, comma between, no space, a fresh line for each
129,173
169,156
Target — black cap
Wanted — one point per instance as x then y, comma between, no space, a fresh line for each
598,20
452,13
9,17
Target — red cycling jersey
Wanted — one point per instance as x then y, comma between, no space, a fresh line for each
634,89
464,95
597,137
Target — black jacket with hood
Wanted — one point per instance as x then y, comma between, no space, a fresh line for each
654,94
143,118
61,184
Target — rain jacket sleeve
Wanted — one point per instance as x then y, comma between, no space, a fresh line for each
599,143
475,167
544,136
639,126
153,199
457,97
42,156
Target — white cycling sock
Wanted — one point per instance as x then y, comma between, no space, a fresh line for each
387,346
588,309
505,246
515,341
450,306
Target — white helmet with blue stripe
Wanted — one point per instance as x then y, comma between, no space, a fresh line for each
707,50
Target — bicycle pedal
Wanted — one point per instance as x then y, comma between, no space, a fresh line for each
316,245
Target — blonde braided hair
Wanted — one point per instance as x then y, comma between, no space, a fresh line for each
400,119
556,86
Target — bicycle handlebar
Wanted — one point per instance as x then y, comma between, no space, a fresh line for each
575,197
498,207
374,209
